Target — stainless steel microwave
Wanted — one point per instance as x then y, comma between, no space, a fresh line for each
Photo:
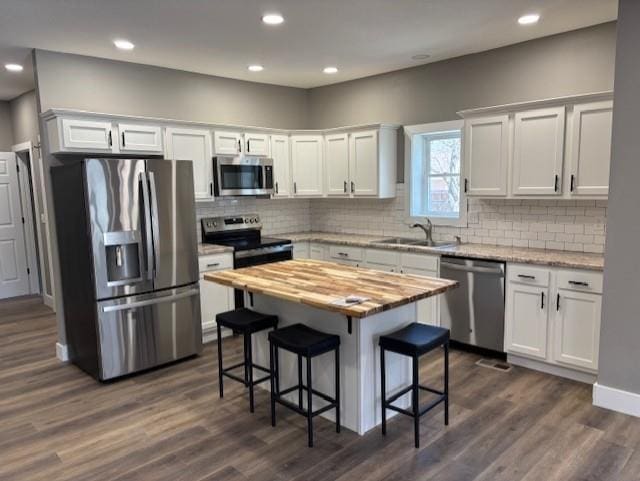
242,175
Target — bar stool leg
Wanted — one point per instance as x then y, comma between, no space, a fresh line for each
220,386
300,381
246,370
273,383
446,384
383,394
250,370
337,389
416,402
309,403
277,365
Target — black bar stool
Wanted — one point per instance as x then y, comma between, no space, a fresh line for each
309,343
246,322
414,341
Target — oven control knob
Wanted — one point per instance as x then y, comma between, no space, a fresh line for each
255,219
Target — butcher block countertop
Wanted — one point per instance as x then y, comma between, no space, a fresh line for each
319,283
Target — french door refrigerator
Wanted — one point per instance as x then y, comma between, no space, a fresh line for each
128,263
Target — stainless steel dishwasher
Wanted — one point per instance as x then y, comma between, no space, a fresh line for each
475,310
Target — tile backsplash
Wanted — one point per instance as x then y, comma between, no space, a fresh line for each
573,225
278,216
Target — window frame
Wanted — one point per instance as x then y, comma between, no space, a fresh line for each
414,151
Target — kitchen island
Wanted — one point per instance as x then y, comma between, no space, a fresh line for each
307,291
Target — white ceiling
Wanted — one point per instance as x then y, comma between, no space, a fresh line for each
222,37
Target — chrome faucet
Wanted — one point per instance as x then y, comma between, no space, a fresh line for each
428,229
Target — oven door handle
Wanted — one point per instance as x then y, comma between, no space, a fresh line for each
263,250
478,270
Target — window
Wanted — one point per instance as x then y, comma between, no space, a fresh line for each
435,173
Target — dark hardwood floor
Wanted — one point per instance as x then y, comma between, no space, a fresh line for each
56,423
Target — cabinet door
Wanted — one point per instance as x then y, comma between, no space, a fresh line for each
281,154
363,163
306,156
87,135
317,252
337,164
227,143
429,308
214,299
486,154
256,144
526,322
194,145
591,148
538,152
301,250
577,329
140,138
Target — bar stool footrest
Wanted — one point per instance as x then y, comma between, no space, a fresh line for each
305,412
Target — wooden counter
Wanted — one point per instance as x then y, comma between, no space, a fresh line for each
319,283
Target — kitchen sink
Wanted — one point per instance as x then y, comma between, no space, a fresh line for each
434,243
415,242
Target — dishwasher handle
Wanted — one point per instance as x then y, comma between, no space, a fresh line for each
480,270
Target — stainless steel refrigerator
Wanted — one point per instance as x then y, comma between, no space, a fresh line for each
128,261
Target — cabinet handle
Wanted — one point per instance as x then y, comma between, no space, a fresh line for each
525,276
573,182
110,139
276,187
214,264
239,146
353,187
555,183
248,146
345,186
466,185
579,283
558,302
295,188
211,188
124,144
542,300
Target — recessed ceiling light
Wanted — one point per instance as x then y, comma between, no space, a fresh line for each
529,19
273,19
123,44
256,68
13,67
330,70
421,56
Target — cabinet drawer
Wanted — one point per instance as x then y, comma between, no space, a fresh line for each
584,281
535,276
346,252
215,262
419,261
383,257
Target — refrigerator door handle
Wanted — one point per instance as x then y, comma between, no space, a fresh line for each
147,224
150,302
154,221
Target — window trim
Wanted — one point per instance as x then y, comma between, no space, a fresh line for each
412,148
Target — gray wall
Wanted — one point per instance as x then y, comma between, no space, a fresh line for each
570,63
6,133
99,85
620,332
24,118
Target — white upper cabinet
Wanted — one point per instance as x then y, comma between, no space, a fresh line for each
193,145
281,154
79,135
337,164
363,163
227,143
256,144
307,163
591,148
140,138
486,153
538,151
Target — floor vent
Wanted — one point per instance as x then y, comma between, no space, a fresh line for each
493,364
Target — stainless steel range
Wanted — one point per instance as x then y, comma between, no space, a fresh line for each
250,248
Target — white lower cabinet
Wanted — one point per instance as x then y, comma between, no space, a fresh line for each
553,315
317,252
214,298
301,250
347,255
427,266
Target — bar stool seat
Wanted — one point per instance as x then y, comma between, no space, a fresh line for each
414,340
246,322
308,343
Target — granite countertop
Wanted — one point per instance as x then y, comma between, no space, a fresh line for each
209,249
319,284
568,259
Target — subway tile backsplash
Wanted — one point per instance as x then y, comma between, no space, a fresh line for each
572,225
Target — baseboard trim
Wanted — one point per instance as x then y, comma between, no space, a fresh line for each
62,352
616,399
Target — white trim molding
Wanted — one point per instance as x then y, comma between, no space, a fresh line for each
62,352
616,399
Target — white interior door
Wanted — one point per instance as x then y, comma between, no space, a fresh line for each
14,280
